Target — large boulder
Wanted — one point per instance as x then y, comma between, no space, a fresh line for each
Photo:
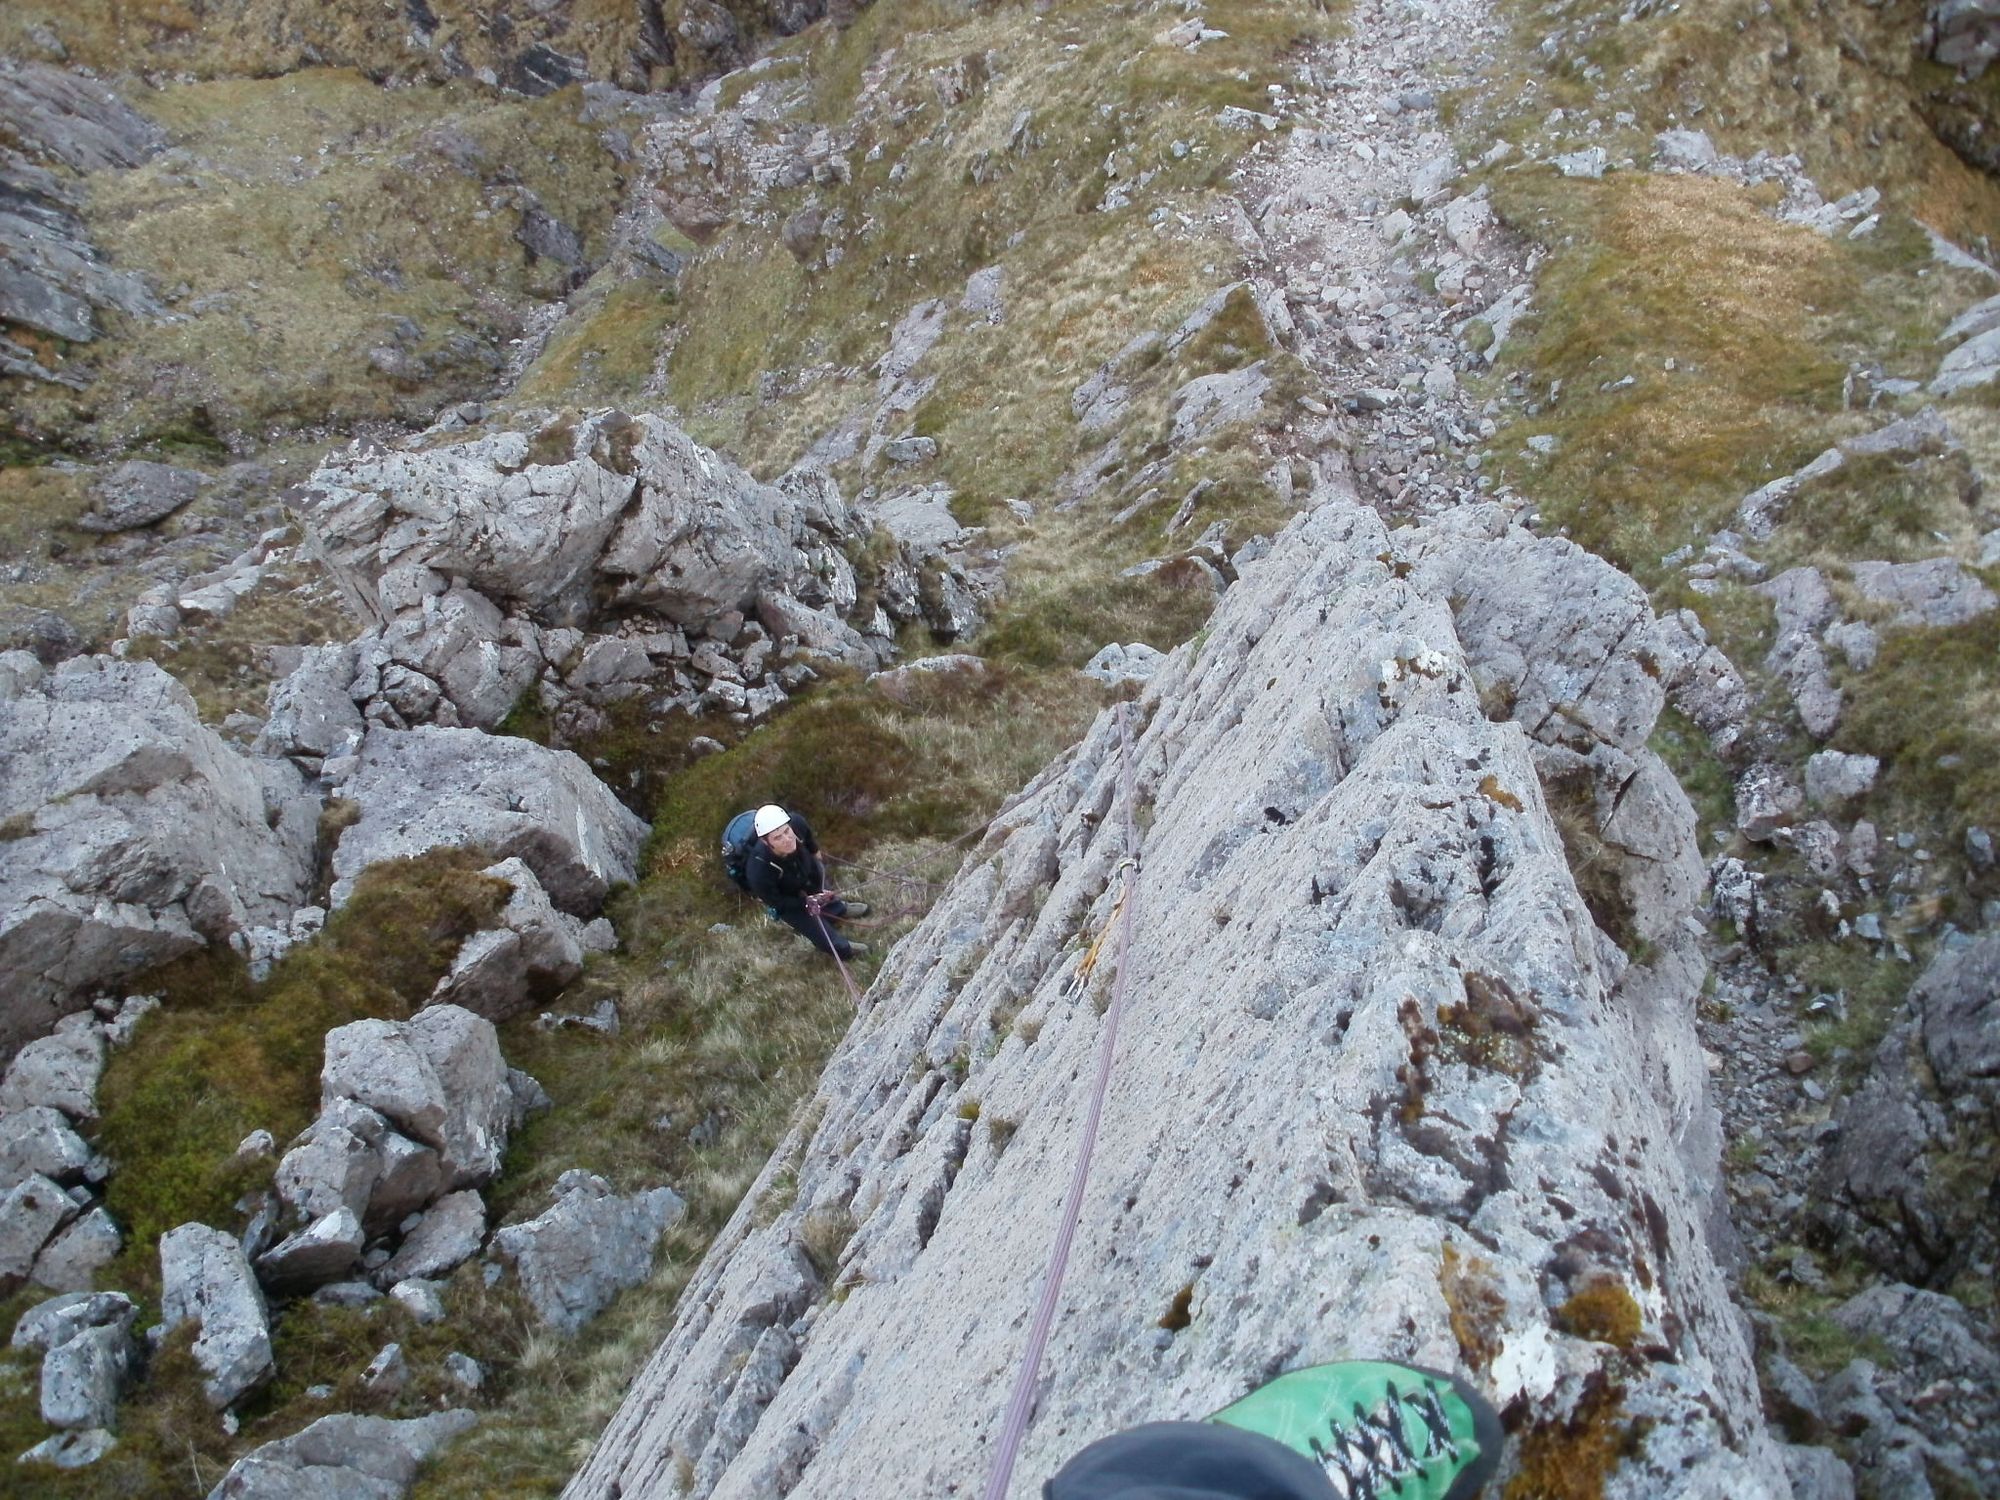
342,1458
583,559
310,713
429,788
610,510
134,834
58,1072
1358,1105
205,1279
70,1262
438,1078
351,1158
535,951
31,1213
588,1246
321,1252
86,1344
1909,1178
83,1376
449,1234
39,1140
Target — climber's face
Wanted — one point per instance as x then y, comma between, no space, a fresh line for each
782,841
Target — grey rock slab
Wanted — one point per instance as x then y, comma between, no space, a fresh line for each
438,1077
1937,592
432,788
1117,664
83,1376
310,711
70,1262
588,1246
1974,363
626,507
1684,151
138,493
1209,403
338,1457
1833,777
57,1072
71,1450
920,519
38,1139
536,951
1817,1473
150,836
61,1318
321,1252
30,1214
449,1234
76,120
1927,1331
1591,162
1977,318
1339,846
1958,1001
205,1279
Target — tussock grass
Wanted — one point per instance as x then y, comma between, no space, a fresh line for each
1656,269
1853,99
1930,708
727,1017
607,353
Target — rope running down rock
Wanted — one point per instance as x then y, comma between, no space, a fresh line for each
1020,1406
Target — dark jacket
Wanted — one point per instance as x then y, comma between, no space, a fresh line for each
784,884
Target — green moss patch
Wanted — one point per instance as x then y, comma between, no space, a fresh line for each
1930,708
224,1057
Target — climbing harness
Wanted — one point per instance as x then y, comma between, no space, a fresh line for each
1021,1404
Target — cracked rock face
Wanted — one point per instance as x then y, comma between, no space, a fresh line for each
137,835
1383,1089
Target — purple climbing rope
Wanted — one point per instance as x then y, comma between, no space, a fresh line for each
1020,1407
833,947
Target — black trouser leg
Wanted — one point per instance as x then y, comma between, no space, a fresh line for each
816,931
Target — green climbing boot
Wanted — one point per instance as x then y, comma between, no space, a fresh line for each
1379,1431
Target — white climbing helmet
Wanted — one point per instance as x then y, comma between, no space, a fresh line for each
770,818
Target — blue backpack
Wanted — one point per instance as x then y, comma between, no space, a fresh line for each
737,838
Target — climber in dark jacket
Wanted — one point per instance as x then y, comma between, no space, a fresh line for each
784,871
